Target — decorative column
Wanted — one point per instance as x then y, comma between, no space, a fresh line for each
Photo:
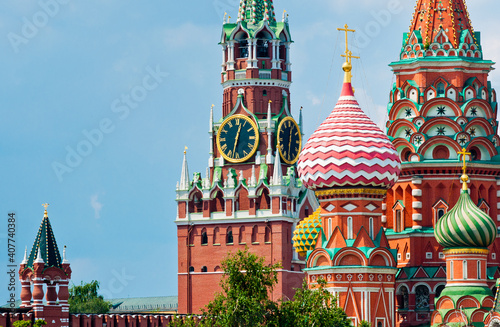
51,295
38,284
25,293
276,53
417,202
270,130
287,62
223,65
230,59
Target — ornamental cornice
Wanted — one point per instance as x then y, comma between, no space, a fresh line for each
256,82
466,251
351,191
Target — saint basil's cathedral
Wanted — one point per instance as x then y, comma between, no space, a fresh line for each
401,232
402,224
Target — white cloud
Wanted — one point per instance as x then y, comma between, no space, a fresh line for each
96,205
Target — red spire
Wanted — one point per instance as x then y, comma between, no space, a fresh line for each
433,15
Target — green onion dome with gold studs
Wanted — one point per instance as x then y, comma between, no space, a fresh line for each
465,225
306,233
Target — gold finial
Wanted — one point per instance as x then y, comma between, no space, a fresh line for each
464,177
213,106
45,205
270,101
347,66
185,149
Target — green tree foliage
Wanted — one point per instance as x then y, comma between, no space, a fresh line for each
84,299
313,308
244,300
22,323
364,323
27,323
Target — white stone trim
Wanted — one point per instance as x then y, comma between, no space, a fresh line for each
416,192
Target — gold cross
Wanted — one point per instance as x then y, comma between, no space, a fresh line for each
45,205
185,149
464,153
348,54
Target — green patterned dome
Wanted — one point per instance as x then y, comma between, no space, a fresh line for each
306,233
465,226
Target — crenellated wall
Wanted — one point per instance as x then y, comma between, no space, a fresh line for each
92,320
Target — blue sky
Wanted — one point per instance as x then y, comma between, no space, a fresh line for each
128,84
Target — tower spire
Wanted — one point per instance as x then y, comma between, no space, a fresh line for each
256,11
434,17
277,173
184,183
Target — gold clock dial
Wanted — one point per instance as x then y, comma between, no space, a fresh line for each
289,140
238,138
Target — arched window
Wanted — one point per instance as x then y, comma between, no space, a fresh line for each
263,44
216,235
440,89
464,269
371,227
229,235
475,154
306,211
191,269
422,297
349,228
241,236
440,213
264,93
264,202
399,222
204,237
242,201
267,235
402,298
254,234
218,203
439,289
451,269
478,269
204,269
196,203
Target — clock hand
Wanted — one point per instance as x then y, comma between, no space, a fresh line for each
236,140
290,142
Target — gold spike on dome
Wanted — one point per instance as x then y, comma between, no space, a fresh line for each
347,66
464,177
306,233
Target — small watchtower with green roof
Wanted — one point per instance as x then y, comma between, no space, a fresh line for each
45,269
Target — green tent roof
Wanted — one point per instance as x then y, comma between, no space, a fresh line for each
46,242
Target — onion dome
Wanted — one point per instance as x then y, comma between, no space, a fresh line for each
306,233
348,149
465,225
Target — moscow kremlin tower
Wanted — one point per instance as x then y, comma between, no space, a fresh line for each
441,103
250,196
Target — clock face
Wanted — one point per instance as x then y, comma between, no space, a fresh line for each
237,138
289,140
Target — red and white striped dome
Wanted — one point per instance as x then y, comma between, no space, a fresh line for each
348,150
